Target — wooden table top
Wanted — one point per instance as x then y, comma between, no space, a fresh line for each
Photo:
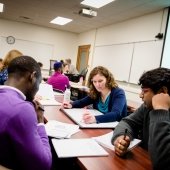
137,159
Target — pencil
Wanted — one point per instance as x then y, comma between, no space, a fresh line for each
126,130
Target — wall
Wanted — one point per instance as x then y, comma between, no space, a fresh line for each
64,43
137,33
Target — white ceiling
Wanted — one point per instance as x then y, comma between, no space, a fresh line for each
41,12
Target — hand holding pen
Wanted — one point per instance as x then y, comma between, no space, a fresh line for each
39,110
122,143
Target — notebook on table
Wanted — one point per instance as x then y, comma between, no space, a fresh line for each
76,115
66,148
60,130
105,140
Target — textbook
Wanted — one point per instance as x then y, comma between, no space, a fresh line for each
105,140
60,130
46,95
66,148
76,115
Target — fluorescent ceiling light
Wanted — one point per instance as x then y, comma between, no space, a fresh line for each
1,7
60,20
96,3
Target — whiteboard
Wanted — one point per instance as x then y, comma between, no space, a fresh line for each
147,56
117,58
41,52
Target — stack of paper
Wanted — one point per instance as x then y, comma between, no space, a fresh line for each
46,94
77,114
105,140
66,148
60,130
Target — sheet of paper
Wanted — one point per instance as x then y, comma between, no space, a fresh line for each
76,115
46,94
60,130
52,102
105,140
66,148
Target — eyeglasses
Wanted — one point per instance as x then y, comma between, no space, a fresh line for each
144,90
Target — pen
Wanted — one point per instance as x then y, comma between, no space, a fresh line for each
126,130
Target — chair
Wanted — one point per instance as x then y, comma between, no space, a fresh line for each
57,90
84,72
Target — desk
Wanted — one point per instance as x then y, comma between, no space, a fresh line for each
137,159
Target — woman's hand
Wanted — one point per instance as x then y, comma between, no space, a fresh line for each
66,105
89,118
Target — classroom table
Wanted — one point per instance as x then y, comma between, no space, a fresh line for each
136,159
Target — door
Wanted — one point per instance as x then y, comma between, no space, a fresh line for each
82,57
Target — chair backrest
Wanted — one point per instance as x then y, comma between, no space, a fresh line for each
84,72
57,90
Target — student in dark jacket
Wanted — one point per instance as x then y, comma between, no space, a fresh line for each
151,121
104,95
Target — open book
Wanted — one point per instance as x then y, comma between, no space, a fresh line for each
76,115
46,94
60,130
66,148
105,140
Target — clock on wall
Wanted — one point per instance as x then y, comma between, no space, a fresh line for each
10,39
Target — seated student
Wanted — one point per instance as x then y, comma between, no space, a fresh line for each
1,63
24,143
8,58
58,80
72,68
145,120
41,65
105,95
65,68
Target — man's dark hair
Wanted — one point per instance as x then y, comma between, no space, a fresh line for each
156,79
40,64
21,65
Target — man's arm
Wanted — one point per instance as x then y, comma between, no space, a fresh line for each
30,140
133,123
159,132
159,139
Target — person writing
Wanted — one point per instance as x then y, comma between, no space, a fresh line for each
151,121
104,95
23,140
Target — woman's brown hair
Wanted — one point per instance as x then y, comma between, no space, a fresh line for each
10,56
110,81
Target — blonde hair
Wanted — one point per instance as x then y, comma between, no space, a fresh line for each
10,56
110,81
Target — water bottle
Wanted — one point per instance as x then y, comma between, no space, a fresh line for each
81,80
67,95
